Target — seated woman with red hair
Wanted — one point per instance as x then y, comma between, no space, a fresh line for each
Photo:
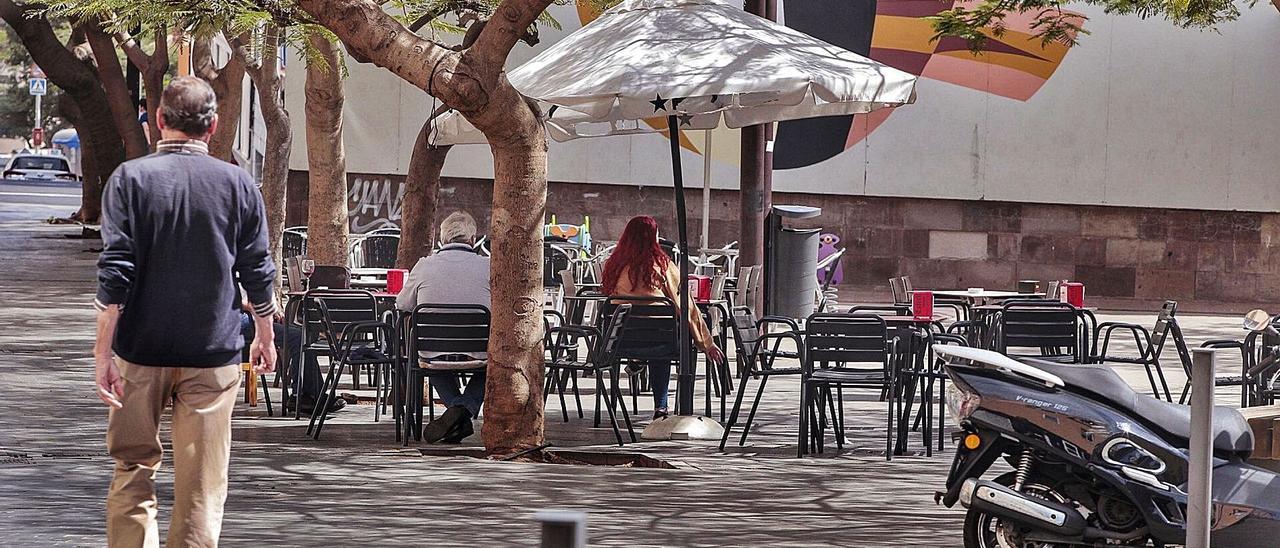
638,267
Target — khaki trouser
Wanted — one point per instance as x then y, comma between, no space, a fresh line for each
202,404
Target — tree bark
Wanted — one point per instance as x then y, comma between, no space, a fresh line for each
71,72
421,198
265,74
227,83
111,74
326,161
472,82
153,68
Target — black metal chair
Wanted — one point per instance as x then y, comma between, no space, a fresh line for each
379,250
343,324
650,335
1051,327
293,243
1150,346
832,343
561,344
602,357
443,340
756,359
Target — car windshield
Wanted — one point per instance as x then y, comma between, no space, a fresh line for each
39,162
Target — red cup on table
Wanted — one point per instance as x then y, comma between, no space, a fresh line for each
922,305
395,279
1075,294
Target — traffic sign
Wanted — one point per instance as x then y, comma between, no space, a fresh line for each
38,86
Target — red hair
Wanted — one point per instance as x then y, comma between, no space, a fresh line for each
637,250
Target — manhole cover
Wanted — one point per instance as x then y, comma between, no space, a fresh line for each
560,456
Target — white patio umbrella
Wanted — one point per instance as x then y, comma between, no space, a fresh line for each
696,64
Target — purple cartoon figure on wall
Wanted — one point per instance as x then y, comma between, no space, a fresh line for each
826,248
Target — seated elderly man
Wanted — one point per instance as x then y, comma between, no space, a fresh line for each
454,275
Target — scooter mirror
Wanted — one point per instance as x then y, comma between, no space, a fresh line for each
1257,320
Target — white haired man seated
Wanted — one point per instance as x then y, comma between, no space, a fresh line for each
455,274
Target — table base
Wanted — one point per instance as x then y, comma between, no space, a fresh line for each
683,427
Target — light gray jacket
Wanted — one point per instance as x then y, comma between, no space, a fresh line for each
453,275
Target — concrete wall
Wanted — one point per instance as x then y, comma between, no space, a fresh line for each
1140,114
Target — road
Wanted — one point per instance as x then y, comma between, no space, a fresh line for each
27,201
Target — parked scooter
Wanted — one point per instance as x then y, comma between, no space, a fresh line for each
1094,463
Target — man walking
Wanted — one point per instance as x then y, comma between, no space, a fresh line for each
180,229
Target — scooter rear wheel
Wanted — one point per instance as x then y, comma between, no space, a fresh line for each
982,530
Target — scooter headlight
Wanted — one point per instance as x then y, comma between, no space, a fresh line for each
1126,454
961,402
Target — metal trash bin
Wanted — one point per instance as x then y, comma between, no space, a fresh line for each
791,262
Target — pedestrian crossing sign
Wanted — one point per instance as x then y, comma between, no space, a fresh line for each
39,86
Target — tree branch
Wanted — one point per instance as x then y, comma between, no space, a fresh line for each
132,50
202,60
443,9
508,25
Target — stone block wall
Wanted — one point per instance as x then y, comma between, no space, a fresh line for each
1129,258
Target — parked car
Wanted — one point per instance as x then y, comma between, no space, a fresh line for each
38,168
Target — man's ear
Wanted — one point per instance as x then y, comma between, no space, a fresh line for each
159,121
213,126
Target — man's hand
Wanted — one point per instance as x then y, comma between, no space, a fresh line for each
110,383
262,356
105,371
262,353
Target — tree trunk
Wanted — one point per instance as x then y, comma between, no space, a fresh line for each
421,197
513,412
71,72
227,83
275,164
123,110
326,162
473,83
228,86
90,178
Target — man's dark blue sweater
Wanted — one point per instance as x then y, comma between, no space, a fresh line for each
180,229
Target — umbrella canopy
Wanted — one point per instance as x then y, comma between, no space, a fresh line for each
707,61
66,137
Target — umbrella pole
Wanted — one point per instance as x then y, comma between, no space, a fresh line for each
685,378
706,191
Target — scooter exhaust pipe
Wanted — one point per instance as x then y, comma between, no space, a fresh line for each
998,500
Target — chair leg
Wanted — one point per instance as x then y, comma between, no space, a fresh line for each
611,401
889,436
622,404
266,394
319,414
577,397
733,415
751,416
600,390
835,420
803,430
562,381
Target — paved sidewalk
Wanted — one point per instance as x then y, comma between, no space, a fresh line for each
357,486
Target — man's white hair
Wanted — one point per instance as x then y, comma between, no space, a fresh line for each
458,227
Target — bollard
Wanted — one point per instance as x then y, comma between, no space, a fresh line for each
1200,470
563,528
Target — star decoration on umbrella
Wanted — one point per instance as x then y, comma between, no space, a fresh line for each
659,103
686,119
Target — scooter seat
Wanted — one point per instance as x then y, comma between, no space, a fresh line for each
1231,431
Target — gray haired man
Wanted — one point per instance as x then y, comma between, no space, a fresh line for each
179,230
454,275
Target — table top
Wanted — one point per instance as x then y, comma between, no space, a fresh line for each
894,318
376,294
718,251
999,307
984,294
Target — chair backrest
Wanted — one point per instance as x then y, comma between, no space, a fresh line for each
1039,324
651,331
293,243
554,259
447,329
379,250
749,287
896,289
896,309
846,338
717,286
745,333
394,231
331,277
1051,290
1160,332
328,312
